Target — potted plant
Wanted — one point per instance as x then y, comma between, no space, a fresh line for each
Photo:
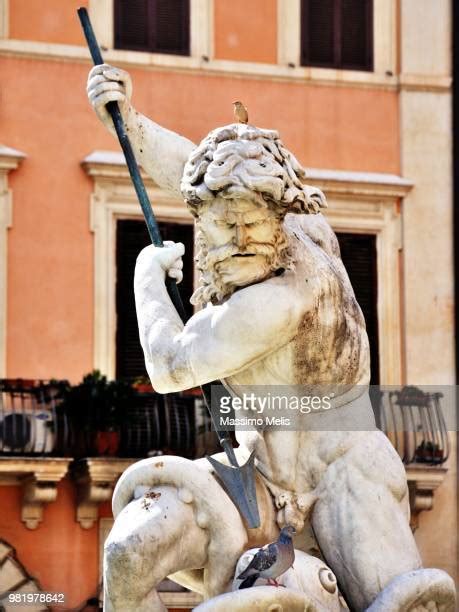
95,410
428,452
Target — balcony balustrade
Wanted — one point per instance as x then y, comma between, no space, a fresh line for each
96,429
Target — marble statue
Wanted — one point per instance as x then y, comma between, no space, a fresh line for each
277,309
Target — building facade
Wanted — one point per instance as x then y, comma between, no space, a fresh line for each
364,104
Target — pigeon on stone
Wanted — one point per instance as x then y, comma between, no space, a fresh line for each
270,561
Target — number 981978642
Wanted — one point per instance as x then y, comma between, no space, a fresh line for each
15,598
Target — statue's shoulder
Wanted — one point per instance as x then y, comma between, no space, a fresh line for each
312,231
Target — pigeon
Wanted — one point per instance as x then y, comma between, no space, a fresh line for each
240,112
270,561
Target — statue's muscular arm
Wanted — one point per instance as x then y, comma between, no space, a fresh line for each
161,152
219,340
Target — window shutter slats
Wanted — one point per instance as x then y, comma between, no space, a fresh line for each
358,252
158,26
317,20
355,33
337,34
132,24
131,238
172,26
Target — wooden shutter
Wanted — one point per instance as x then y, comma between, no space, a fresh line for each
171,26
358,252
132,24
357,34
337,34
131,238
318,32
158,26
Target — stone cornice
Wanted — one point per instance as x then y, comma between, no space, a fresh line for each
10,158
111,164
95,479
38,478
423,481
234,69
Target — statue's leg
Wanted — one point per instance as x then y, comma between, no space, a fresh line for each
151,538
361,518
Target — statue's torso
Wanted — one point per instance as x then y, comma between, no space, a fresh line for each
329,348
331,344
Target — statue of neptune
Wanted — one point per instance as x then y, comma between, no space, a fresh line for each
278,309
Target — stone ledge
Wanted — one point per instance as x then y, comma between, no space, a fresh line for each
10,158
180,599
423,480
38,477
95,480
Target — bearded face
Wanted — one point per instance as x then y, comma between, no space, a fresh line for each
239,243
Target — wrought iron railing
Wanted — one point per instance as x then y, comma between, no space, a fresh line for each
414,422
35,420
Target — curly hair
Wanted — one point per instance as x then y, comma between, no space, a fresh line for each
240,160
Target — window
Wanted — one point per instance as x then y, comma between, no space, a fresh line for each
337,34
131,237
358,252
157,26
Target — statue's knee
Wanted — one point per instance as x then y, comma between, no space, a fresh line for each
120,557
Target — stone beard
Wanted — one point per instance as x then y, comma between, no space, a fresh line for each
212,262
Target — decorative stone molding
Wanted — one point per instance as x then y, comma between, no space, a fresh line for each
359,202
95,479
180,599
423,480
38,478
9,160
4,18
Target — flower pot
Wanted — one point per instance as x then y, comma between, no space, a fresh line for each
107,443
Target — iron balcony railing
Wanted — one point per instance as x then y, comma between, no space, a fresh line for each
414,422
34,420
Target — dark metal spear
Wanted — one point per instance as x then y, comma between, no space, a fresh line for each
239,481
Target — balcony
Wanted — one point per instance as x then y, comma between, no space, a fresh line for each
93,431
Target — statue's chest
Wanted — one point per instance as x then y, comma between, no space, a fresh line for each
277,368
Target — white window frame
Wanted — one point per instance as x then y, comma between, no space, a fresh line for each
4,18
384,41
9,160
201,30
358,203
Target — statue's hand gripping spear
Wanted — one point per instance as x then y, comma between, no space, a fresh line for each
239,481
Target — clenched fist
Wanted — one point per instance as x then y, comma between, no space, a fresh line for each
154,262
109,84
